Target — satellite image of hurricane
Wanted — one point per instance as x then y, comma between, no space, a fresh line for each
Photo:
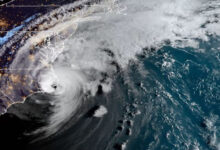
110,74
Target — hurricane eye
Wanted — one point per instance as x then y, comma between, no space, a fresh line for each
54,86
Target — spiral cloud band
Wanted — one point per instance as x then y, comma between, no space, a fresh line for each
71,51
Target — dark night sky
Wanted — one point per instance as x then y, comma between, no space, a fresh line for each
14,12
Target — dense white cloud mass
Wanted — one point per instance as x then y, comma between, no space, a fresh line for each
102,38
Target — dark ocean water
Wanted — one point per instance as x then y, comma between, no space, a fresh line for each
179,99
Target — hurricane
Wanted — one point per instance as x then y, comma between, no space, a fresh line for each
151,68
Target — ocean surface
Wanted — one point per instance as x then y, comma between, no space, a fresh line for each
179,99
